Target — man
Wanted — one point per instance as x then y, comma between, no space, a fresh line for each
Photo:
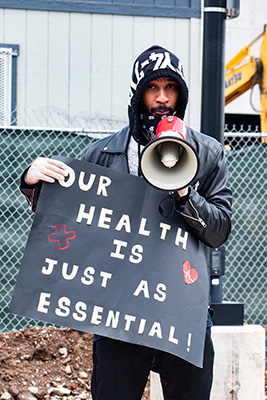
158,89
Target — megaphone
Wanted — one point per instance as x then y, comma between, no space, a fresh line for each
169,162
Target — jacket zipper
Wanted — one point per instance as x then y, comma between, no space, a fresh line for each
30,200
198,219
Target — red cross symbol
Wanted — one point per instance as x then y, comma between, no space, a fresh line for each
62,241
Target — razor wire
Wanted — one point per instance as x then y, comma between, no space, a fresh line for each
245,279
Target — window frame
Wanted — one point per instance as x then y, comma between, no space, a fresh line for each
15,54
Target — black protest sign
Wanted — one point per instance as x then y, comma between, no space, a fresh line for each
101,258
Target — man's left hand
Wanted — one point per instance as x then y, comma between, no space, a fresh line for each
183,192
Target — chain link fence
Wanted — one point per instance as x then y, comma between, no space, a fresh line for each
245,278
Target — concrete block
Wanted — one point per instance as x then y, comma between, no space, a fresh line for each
155,387
239,365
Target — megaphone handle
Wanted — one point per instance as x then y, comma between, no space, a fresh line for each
170,205
179,201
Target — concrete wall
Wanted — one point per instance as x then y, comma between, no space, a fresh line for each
79,64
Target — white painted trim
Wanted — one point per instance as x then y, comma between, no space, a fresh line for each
215,9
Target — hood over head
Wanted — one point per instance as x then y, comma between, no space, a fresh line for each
154,63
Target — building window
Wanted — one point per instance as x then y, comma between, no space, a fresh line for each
8,84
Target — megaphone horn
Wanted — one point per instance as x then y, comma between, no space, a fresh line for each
169,162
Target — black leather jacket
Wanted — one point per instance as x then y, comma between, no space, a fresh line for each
207,209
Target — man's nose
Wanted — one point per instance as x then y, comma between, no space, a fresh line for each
162,96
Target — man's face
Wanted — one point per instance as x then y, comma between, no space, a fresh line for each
160,96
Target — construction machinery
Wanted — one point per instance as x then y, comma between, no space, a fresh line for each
244,71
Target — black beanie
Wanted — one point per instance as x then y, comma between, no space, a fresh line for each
154,63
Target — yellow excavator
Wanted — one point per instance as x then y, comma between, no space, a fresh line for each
244,71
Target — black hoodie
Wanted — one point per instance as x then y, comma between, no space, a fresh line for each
154,63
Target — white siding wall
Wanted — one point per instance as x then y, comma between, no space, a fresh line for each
79,65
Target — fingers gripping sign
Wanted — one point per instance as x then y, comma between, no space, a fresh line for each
46,169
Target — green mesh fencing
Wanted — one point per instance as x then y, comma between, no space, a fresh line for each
245,279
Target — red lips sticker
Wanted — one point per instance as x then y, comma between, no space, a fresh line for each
190,274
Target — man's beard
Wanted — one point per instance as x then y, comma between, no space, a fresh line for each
149,122
162,108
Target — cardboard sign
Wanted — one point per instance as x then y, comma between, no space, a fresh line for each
102,258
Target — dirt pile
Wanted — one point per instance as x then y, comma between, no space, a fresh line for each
46,363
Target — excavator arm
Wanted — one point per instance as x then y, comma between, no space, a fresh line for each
241,79
241,75
263,83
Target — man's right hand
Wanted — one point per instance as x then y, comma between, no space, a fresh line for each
46,169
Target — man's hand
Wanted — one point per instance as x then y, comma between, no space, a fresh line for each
183,192
46,169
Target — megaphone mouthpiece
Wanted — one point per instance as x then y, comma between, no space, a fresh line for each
170,153
169,160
